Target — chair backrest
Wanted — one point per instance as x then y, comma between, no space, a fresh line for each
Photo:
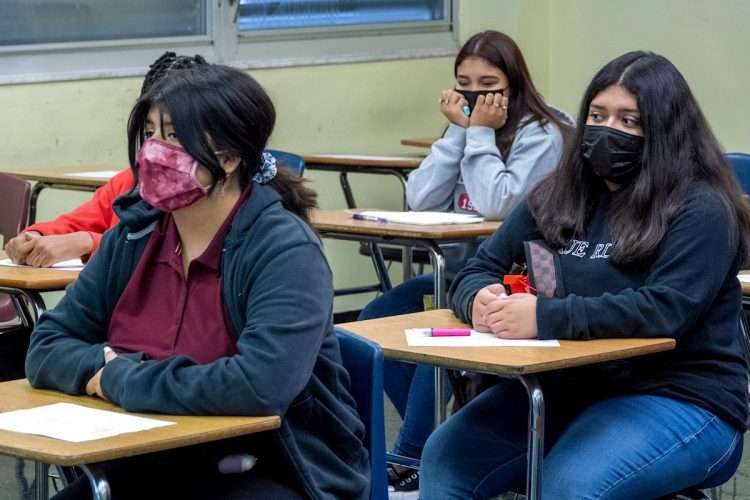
293,162
741,164
363,360
15,197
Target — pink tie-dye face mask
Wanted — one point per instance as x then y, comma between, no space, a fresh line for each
167,176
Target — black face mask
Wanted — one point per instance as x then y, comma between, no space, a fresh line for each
472,95
612,155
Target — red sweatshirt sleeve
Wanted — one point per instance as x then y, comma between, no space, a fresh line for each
94,216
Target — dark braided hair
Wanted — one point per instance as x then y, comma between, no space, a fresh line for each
166,63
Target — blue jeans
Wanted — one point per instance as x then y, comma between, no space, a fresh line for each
625,447
410,387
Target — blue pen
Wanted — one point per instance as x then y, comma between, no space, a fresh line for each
371,218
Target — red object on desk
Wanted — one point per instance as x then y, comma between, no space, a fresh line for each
518,283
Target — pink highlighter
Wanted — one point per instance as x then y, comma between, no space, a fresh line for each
450,332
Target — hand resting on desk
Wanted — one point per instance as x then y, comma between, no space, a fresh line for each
94,387
33,249
508,317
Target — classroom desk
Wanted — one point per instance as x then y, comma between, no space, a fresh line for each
55,177
513,362
398,166
188,430
338,224
29,282
419,142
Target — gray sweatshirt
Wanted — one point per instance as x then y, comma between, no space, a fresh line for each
466,173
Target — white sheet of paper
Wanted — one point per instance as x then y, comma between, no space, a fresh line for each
99,174
423,218
420,337
65,265
75,423
744,278
369,157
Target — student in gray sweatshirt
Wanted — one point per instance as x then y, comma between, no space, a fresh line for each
501,140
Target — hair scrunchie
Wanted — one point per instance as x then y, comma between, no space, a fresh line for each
267,170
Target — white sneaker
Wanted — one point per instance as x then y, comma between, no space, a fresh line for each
404,485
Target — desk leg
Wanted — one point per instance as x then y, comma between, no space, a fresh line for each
406,263
41,471
402,178
38,187
441,402
438,273
37,303
380,268
34,299
441,302
347,189
98,482
535,453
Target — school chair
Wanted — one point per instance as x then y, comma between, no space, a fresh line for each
740,163
364,362
293,162
15,199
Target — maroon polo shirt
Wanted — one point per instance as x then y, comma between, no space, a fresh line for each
162,314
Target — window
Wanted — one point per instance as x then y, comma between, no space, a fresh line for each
72,39
44,21
256,15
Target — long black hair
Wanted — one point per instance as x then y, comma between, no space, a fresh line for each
217,108
501,51
679,149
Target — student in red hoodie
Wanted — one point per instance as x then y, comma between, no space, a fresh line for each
77,233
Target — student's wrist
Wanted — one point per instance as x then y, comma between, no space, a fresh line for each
480,133
84,242
455,130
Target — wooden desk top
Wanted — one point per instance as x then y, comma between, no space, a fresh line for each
340,221
31,278
18,394
390,162
389,334
56,175
419,142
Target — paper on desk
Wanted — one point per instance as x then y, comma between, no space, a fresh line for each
420,337
75,423
423,218
744,278
99,174
65,265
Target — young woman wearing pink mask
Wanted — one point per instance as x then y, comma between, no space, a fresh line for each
211,297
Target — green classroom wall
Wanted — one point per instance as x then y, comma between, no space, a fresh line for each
366,108
706,39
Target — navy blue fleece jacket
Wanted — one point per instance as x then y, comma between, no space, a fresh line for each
688,291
